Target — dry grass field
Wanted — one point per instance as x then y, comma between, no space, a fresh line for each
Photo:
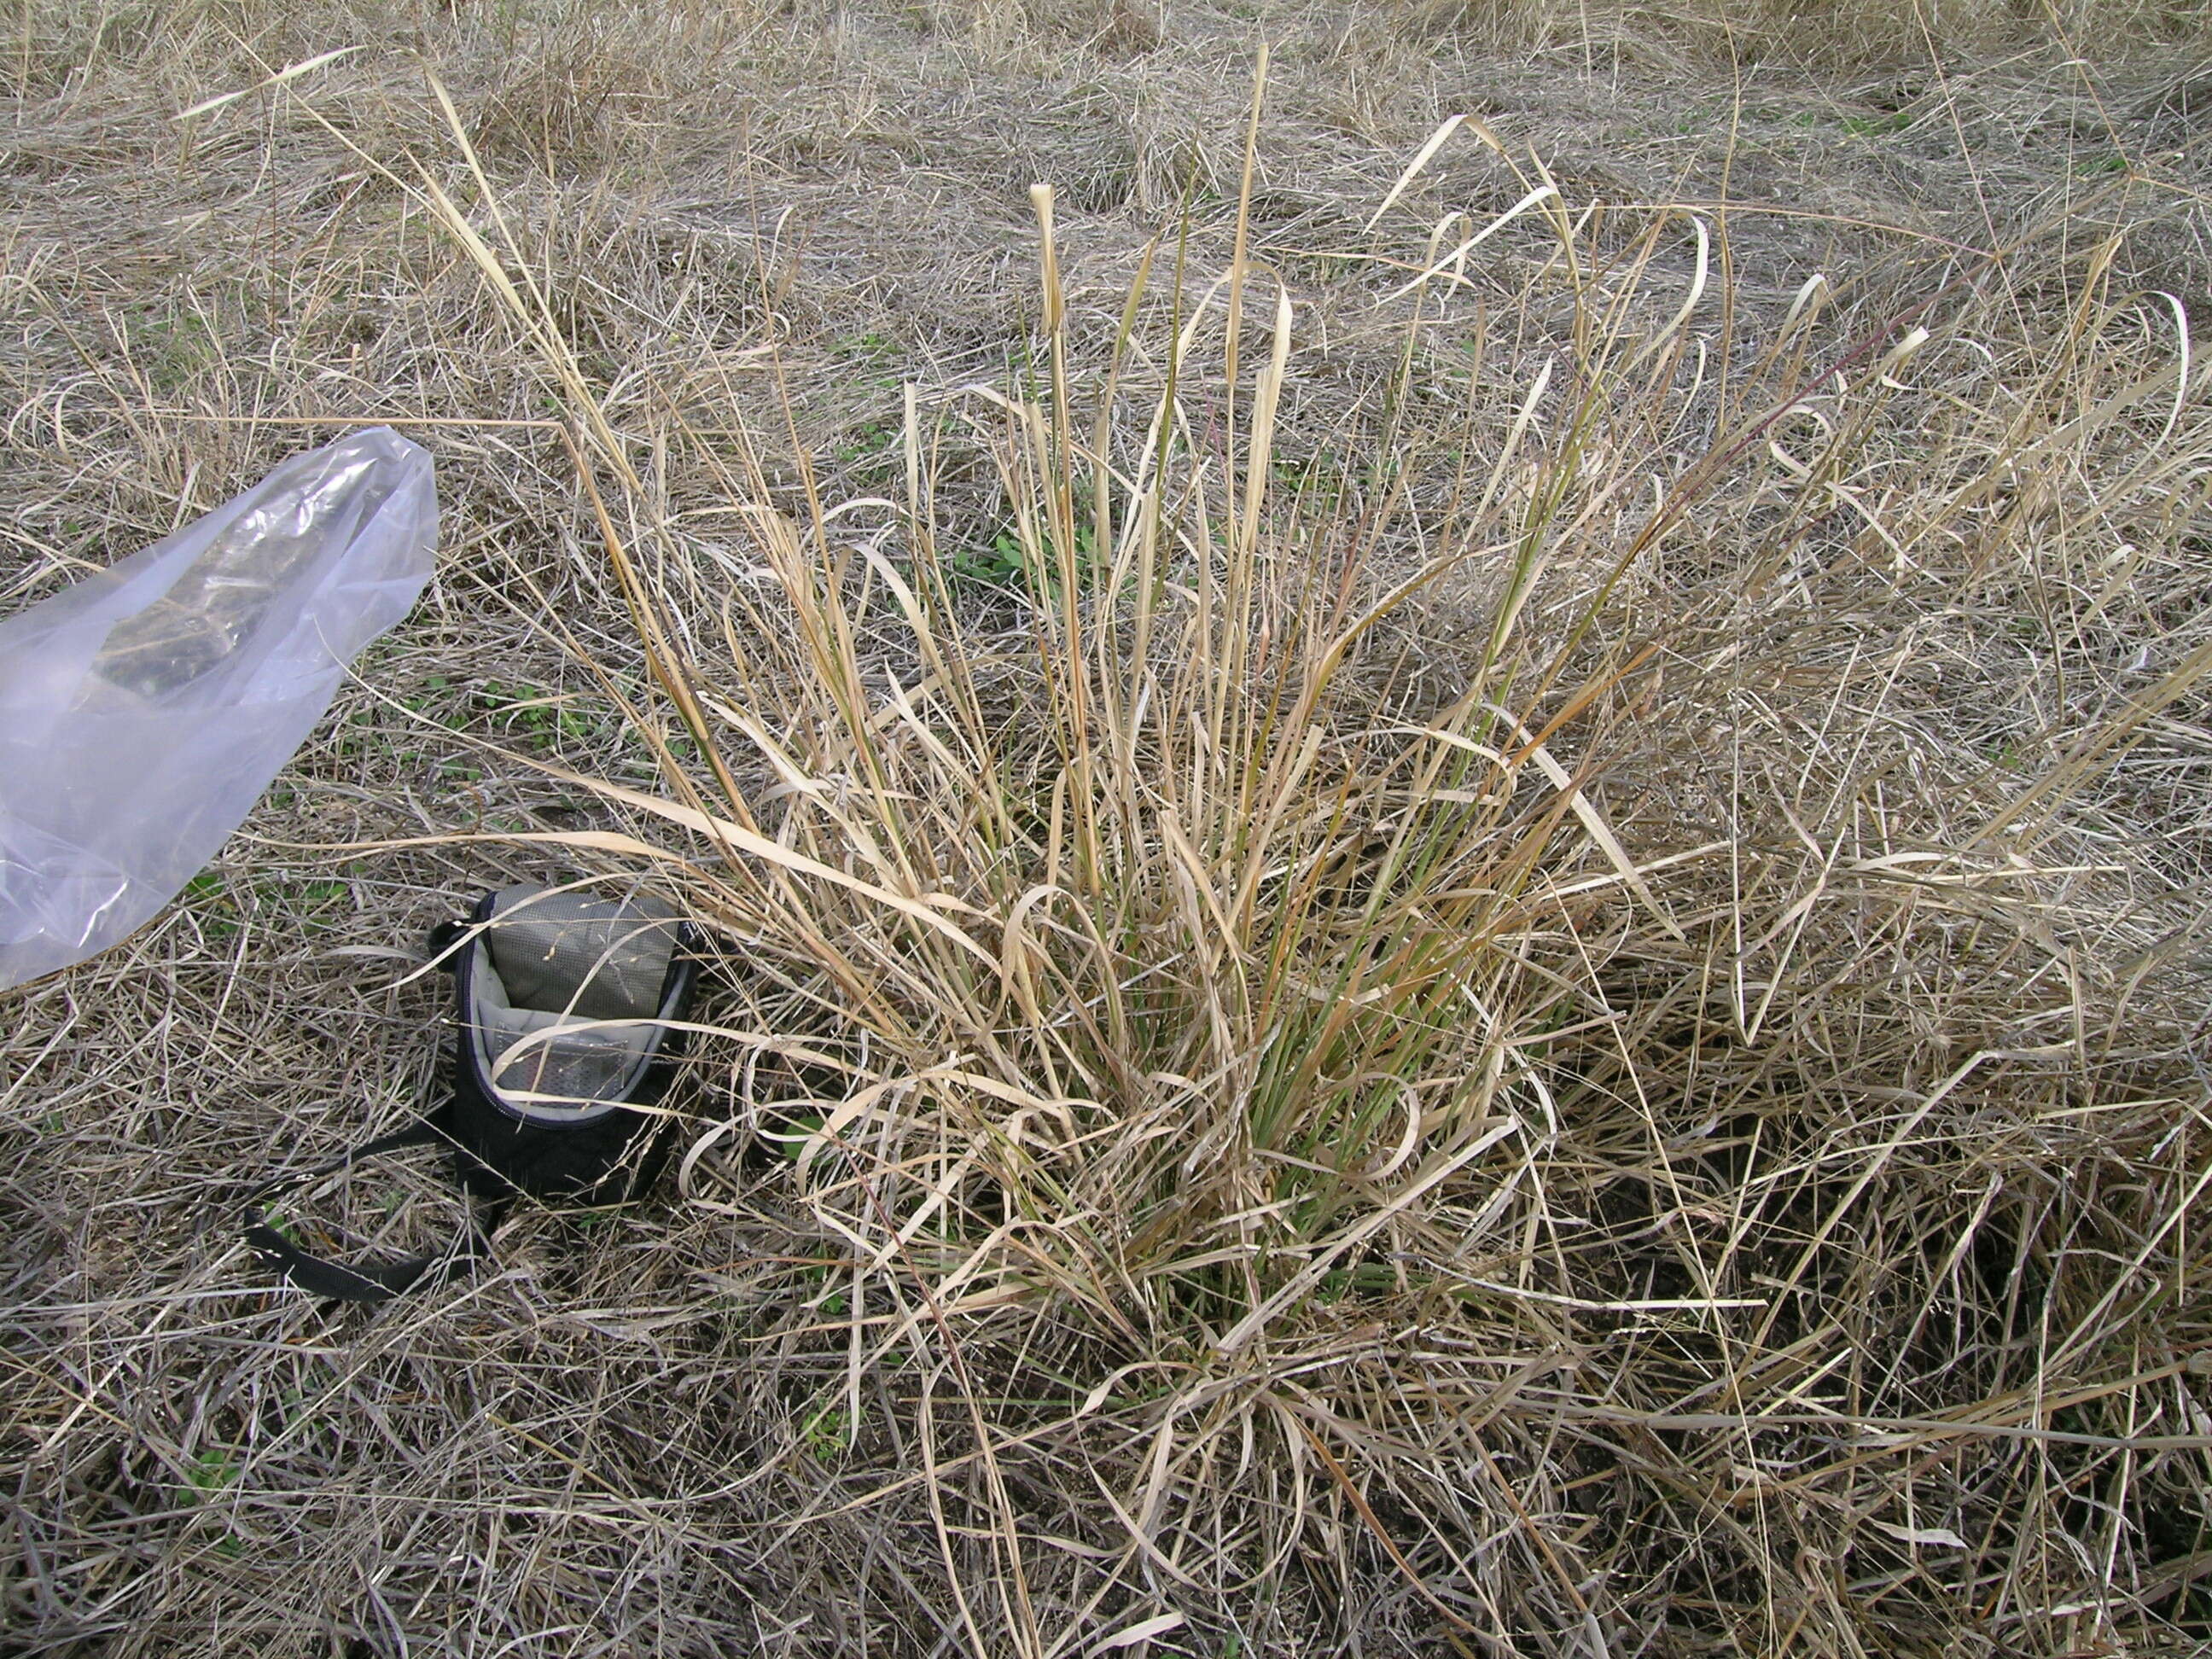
1450,764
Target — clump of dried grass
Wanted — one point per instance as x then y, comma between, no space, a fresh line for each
1886,32
1528,984
1264,1112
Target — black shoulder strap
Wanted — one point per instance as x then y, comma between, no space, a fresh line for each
378,1282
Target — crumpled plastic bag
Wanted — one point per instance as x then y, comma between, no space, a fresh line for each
143,711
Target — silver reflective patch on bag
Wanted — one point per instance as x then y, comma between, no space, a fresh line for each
563,991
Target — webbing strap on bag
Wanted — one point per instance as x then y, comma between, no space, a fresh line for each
379,1283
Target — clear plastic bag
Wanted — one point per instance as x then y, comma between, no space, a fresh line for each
143,711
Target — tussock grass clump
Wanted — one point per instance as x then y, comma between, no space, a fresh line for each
1459,916
1411,1037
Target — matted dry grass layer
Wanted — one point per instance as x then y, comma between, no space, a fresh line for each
1459,887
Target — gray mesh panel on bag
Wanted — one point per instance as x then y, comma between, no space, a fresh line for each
553,961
